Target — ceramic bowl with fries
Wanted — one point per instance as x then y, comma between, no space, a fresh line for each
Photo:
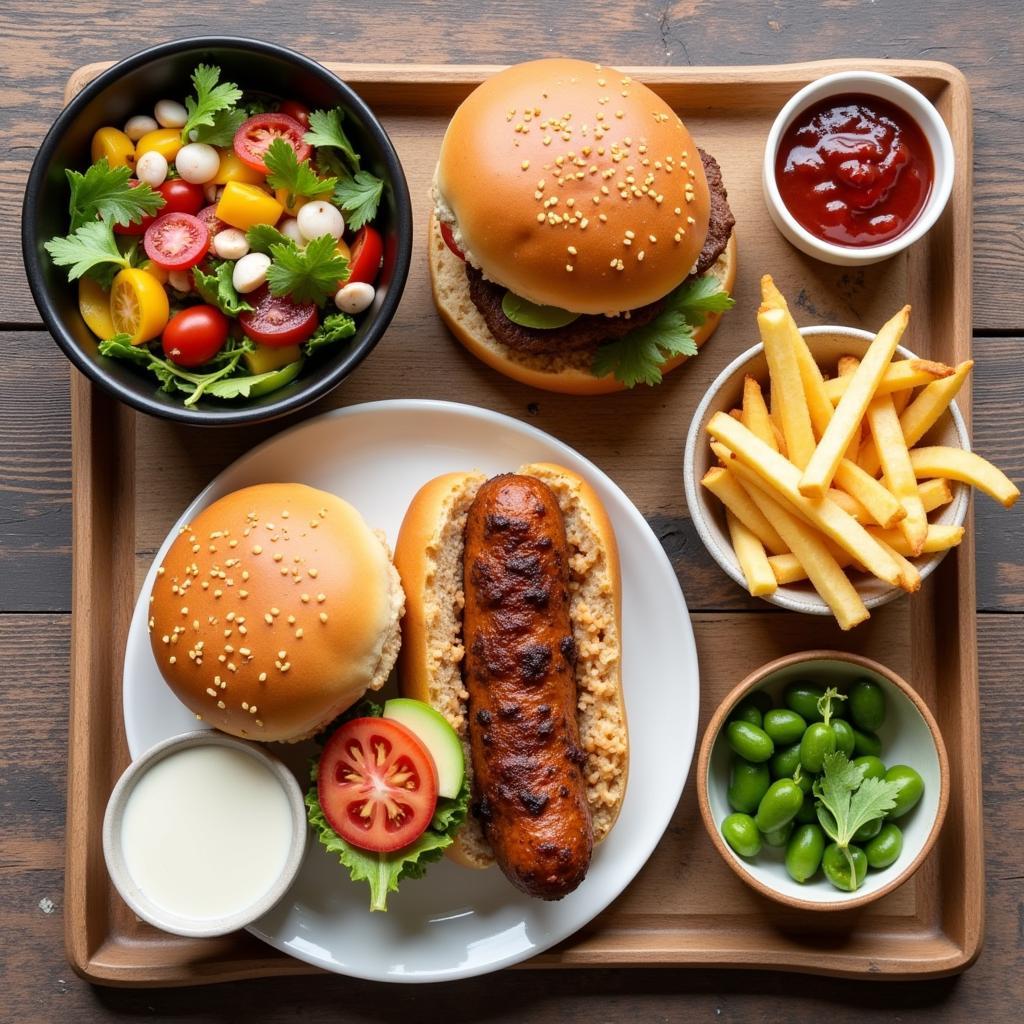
826,469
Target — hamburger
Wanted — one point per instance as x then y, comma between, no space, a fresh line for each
580,241
274,611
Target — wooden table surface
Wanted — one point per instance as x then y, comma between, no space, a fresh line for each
45,42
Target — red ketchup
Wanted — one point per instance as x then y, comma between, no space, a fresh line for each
854,170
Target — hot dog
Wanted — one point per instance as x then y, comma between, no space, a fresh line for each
512,631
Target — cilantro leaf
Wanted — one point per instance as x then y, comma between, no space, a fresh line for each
90,246
218,289
334,328
262,236
104,191
310,274
325,130
638,357
210,99
359,196
221,132
297,179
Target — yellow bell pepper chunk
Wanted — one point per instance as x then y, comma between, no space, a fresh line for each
115,146
232,169
138,305
291,202
165,141
243,205
265,358
94,305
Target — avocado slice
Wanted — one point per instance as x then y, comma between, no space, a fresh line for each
529,314
431,728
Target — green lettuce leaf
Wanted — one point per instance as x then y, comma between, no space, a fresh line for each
218,289
334,328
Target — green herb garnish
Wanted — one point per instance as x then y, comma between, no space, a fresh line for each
210,100
310,274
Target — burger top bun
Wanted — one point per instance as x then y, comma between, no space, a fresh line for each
274,610
573,185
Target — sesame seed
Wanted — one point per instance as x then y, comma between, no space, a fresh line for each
568,267
243,594
298,634
323,616
172,660
258,549
525,165
221,705
211,691
275,611
268,619
320,598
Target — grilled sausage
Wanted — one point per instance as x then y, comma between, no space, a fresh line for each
529,790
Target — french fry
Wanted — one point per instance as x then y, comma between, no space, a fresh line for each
773,411
847,367
851,506
851,408
883,508
940,537
899,475
899,376
787,568
935,493
736,414
910,578
753,561
900,400
756,417
783,478
726,488
780,441
787,387
829,580
957,464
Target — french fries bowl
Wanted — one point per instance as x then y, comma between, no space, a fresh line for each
827,345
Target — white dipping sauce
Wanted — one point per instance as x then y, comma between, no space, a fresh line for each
206,832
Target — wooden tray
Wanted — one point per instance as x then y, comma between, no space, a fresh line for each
685,908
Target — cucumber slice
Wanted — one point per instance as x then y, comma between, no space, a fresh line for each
437,736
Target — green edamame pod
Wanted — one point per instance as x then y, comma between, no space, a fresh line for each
911,789
804,851
868,830
780,837
746,711
779,805
819,740
866,744
747,784
885,848
784,726
836,866
867,705
803,699
873,766
844,736
750,741
740,832
785,762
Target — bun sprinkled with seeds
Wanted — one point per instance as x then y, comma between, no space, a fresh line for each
274,610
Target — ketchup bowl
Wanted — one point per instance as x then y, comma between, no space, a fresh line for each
907,202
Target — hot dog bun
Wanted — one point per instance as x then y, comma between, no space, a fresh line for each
429,558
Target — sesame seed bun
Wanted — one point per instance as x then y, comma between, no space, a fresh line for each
568,373
556,175
274,610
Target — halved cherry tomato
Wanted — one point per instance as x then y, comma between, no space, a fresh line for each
254,137
297,110
278,321
449,240
138,305
208,215
181,196
377,784
176,241
367,249
195,335
134,229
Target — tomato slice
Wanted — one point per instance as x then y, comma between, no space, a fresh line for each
278,321
367,249
176,241
297,110
449,240
195,335
208,215
254,137
377,784
181,196
134,229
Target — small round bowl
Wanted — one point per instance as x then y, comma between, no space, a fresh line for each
909,736
827,344
117,867
919,107
132,87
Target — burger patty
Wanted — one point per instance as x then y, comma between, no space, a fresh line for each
591,330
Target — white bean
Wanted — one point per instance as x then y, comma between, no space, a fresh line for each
355,297
320,218
170,114
230,244
180,280
250,272
140,125
197,162
152,168
289,227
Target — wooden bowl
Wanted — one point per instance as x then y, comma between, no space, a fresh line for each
827,344
909,736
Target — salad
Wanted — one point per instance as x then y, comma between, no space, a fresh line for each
220,243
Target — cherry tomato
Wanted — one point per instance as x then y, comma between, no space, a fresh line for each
177,241
208,215
278,321
449,240
195,335
377,784
254,137
367,249
297,110
181,196
134,229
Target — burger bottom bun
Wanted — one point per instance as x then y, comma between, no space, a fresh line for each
567,374
429,556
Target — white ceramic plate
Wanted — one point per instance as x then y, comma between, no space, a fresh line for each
456,923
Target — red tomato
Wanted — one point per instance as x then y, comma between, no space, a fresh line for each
278,321
176,241
134,229
254,137
377,784
367,249
297,110
195,335
181,196
208,215
449,240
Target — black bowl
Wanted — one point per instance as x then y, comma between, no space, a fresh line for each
132,87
